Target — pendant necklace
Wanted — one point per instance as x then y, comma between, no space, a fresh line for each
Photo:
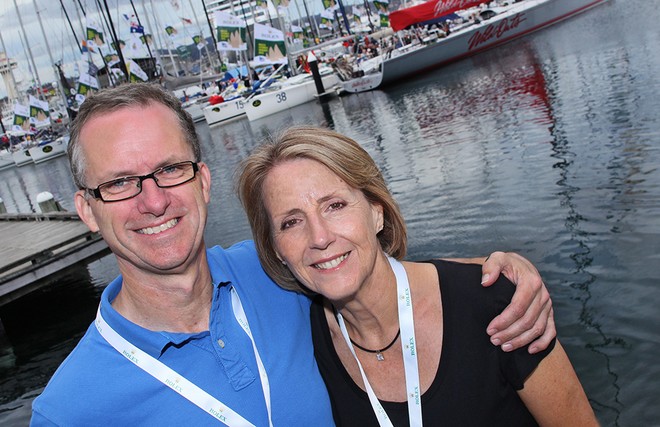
379,353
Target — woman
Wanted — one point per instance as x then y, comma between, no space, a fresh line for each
397,343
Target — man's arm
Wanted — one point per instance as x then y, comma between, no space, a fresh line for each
529,316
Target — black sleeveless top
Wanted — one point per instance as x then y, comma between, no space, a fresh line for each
476,382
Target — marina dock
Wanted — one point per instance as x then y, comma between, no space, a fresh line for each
35,246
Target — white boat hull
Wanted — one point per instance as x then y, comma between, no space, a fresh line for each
287,97
520,19
21,157
195,109
225,111
48,151
6,161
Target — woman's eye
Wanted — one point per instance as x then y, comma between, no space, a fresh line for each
288,223
336,205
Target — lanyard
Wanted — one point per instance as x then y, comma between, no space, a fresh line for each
180,384
408,350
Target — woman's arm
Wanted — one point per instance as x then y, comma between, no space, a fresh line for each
554,395
529,316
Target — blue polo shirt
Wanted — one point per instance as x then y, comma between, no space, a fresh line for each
96,385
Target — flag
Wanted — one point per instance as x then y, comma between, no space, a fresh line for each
384,20
39,114
199,41
330,4
94,35
86,85
136,74
135,28
281,4
381,5
171,31
327,17
186,20
146,38
133,48
231,31
269,47
21,118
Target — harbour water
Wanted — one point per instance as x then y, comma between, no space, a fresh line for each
547,146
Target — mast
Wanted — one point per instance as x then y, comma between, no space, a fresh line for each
145,36
73,31
154,33
34,65
215,42
50,57
155,12
116,40
201,33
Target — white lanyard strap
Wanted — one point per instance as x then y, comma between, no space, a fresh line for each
408,349
408,344
239,313
381,415
180,384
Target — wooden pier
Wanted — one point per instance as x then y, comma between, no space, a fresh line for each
35,246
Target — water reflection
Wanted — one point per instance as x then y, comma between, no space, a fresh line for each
547,146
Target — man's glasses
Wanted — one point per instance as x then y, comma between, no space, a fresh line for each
130,186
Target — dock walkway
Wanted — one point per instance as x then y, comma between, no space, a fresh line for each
34,246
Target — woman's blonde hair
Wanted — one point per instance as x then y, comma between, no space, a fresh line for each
344,157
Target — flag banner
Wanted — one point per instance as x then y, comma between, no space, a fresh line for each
298,35
199,42
171,31
269,45
111,59
429,11
39,114
135,28
146,39
327,18
86,85
330,4
186,20
94,34
381,5
121,44
134,48
136,74
21,118
231,32
384,20
281,4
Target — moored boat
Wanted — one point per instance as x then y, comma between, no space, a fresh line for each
6,160
498,25
47,150
224,111
294,91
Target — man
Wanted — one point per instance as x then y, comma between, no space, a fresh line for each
188,335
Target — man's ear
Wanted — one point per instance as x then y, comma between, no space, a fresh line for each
205,174
85,210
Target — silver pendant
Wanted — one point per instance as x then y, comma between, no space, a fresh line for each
379,356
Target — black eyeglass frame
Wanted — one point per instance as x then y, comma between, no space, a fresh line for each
96,192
